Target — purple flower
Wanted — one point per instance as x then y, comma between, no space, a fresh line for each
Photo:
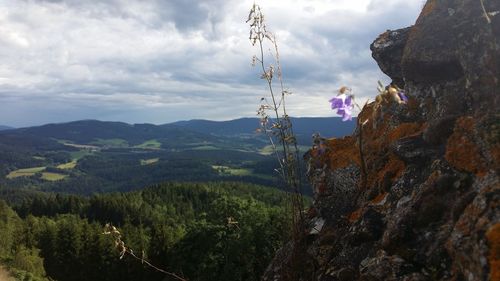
402,96
343,104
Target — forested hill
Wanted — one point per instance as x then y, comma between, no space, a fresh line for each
90,156
211,231
88,131
91,131
5,128
304,127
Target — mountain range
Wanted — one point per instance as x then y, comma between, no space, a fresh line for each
90,130
90,156
327,126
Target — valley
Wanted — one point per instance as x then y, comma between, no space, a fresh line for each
89,156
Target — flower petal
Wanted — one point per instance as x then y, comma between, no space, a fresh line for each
402,96
337,103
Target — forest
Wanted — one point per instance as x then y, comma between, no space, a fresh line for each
200,231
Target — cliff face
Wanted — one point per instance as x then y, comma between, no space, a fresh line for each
414,193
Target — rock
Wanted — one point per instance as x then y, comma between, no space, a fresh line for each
422,199
459,51
387,50
413,150
439,130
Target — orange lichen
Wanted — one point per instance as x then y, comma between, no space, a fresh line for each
493,236
405,130
377,135
343,152
432,178
354,216
461,150
495,153
376,149
392,170
379,198
413,105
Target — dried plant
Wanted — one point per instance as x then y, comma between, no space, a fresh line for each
486,14
124,250
274,119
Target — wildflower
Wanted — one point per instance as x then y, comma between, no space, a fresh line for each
402,96
344,105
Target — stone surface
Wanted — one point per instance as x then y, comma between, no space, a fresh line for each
387,50
422,200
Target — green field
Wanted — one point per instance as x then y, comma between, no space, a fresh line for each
150,144
39,158
205,147
83,146
149,161
28,172
77,155
266,150
225,170
69,165
52,176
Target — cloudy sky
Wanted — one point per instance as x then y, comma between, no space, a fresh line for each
167,60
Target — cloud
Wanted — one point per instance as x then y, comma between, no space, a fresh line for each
161,61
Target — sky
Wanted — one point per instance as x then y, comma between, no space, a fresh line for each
162,61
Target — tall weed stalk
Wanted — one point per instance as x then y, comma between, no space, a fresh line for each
274,119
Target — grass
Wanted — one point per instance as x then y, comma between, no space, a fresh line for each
77,155
52,176
82,146
205,147
28,172
266,150
67,166
149,161
225,170
150,144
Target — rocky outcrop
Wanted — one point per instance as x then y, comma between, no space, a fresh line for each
414,193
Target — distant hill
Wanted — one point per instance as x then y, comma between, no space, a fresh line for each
178,133
88,131
5,128
304,127
90,156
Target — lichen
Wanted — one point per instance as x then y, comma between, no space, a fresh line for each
354,216
461,150
379,198
342,153
493,236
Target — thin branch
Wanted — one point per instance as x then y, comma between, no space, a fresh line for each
484,12
131,253
123,249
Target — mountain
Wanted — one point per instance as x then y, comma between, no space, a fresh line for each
304,127
90,156
2,128
88,131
